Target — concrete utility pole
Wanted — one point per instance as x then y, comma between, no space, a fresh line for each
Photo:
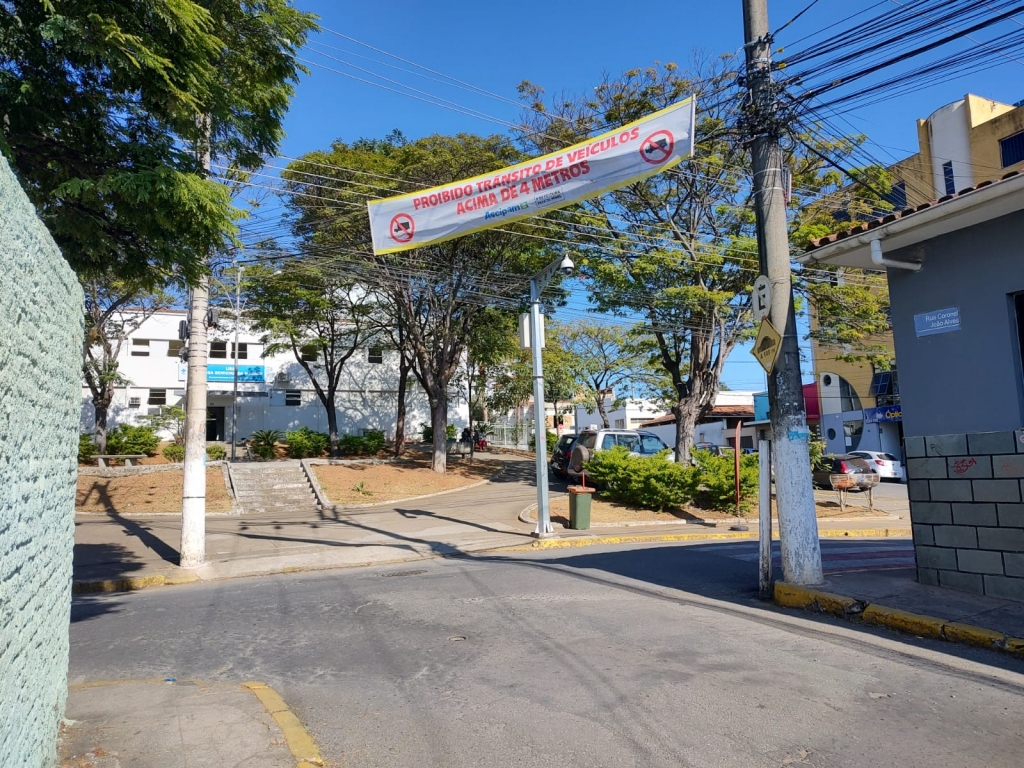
238,321
798,524
193,497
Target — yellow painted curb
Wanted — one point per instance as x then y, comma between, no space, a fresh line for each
795,596
972,635
894,618
300,743
645,538
129,583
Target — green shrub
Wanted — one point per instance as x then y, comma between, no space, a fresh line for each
86,448
651,482
374,442
175,452
716,481
305,443
262,442
128,439
352,445
552,441
450,432
428,433
213,452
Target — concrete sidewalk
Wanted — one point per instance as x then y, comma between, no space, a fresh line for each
174,724
895,599
114,552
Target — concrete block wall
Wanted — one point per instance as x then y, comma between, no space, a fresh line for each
40,396
967,509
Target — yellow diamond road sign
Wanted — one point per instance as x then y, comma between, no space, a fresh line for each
767,345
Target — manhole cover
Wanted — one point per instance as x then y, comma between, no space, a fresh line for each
403,573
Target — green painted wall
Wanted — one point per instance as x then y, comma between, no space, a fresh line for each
40,399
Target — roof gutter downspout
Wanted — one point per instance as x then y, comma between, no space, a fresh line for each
879,260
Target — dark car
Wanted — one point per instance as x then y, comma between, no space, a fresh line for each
841,464
560,456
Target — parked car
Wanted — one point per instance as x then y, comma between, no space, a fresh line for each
561,455
714,450
591,441
886,465
842,464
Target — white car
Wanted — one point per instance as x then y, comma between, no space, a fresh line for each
591,441
885,465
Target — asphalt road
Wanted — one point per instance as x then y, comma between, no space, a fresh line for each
656,656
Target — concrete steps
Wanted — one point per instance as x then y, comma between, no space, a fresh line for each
272,486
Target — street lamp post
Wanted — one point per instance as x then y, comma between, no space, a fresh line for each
238,320
537,284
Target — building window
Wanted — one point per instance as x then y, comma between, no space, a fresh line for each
243,352
948,178
1011,149
219,350
157,397
140,347
134,402
174,347
293,397
308,353
897,196
620,423
854,431
885,388
376,355
848,397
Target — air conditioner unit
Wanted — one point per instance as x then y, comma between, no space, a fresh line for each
134,402
281,377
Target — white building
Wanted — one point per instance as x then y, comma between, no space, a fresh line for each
629,415
719,426
273,392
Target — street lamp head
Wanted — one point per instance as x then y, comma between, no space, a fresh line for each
567,267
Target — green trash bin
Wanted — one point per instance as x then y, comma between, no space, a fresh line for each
579,507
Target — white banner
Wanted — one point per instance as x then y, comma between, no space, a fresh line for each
612,160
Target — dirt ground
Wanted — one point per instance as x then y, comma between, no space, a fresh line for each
605,511
371,483
155,492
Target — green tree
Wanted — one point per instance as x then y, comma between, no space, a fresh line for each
513,379
440,292
319,317
604,358
676,252
109,105
114,309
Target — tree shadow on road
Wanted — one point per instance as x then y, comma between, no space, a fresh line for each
106,561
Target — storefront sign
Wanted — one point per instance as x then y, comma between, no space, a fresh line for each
939,321
251,374
883,414
610,161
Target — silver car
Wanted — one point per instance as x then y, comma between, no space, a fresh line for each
590,441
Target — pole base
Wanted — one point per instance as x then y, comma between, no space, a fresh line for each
544,535
739,527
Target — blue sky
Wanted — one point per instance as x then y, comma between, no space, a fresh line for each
561,46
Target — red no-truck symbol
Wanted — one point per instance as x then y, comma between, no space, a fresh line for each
402,228
657,148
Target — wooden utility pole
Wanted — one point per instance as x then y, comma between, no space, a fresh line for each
798,525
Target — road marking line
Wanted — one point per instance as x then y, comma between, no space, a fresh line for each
301,744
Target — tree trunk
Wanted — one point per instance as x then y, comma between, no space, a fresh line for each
101,407
332,425
686,412
403,378
439,422
602,412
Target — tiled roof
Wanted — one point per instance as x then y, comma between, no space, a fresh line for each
890,217
718,412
